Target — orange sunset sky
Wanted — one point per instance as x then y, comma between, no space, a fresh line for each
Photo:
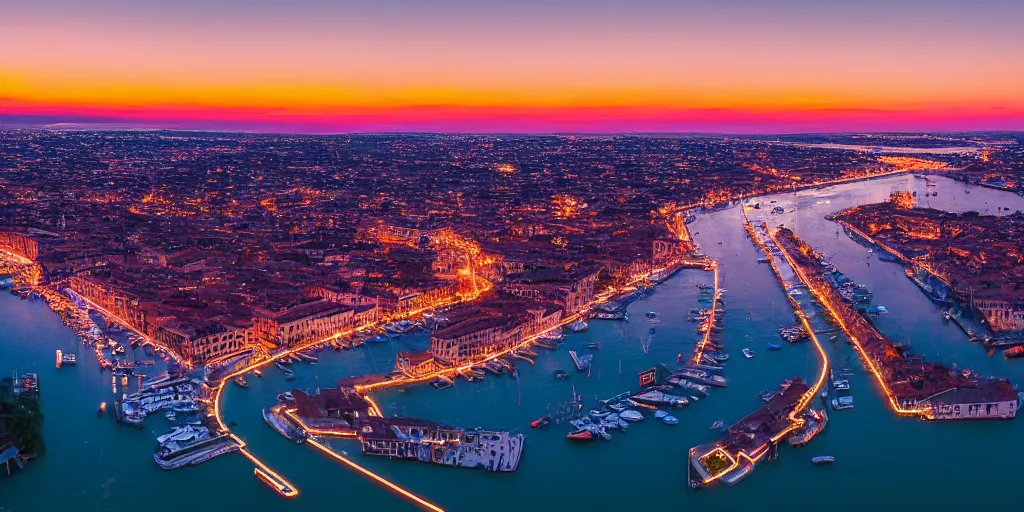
564,65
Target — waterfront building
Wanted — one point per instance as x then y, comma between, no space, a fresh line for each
974,403
20,244
332,408
426,441
490,328
302,323
1001,315
572,290
115,299
213,338
416,364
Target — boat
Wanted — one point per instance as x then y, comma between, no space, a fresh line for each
282,426
611,315
842,403
441,384
748,353
494,368
658,413
631,415
657,398
241,382
651,314
1015,352
170,415
702,377
102,408
668,419
717,425
286,397
560,374
581,361
773,347
823,459
60,357
581,435
288,374
541,422
577,326
258,373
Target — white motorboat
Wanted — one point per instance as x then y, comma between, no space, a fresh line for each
748,353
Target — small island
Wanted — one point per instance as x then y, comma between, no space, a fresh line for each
21,423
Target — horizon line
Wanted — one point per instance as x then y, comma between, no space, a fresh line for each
98,127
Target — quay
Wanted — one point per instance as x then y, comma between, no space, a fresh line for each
748,441
735,455
912,386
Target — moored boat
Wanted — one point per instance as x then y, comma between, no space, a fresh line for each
823,459
748,353
631,415
1015,352
581,435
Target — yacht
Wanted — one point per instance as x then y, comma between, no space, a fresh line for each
170,415
748,353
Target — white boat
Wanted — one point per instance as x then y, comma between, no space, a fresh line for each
658,413
748,353
577,326
631,415
823,459
170,415
668,419
581,361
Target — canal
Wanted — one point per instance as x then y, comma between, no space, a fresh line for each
95,464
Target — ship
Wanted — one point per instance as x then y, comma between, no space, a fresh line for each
281,425
175,455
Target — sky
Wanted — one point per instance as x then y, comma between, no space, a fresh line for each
329,66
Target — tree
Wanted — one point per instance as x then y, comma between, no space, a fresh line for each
27,427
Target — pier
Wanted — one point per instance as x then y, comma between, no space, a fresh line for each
734,456
709,322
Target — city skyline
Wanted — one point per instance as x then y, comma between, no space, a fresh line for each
532,67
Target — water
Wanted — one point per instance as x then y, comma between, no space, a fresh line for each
882,460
